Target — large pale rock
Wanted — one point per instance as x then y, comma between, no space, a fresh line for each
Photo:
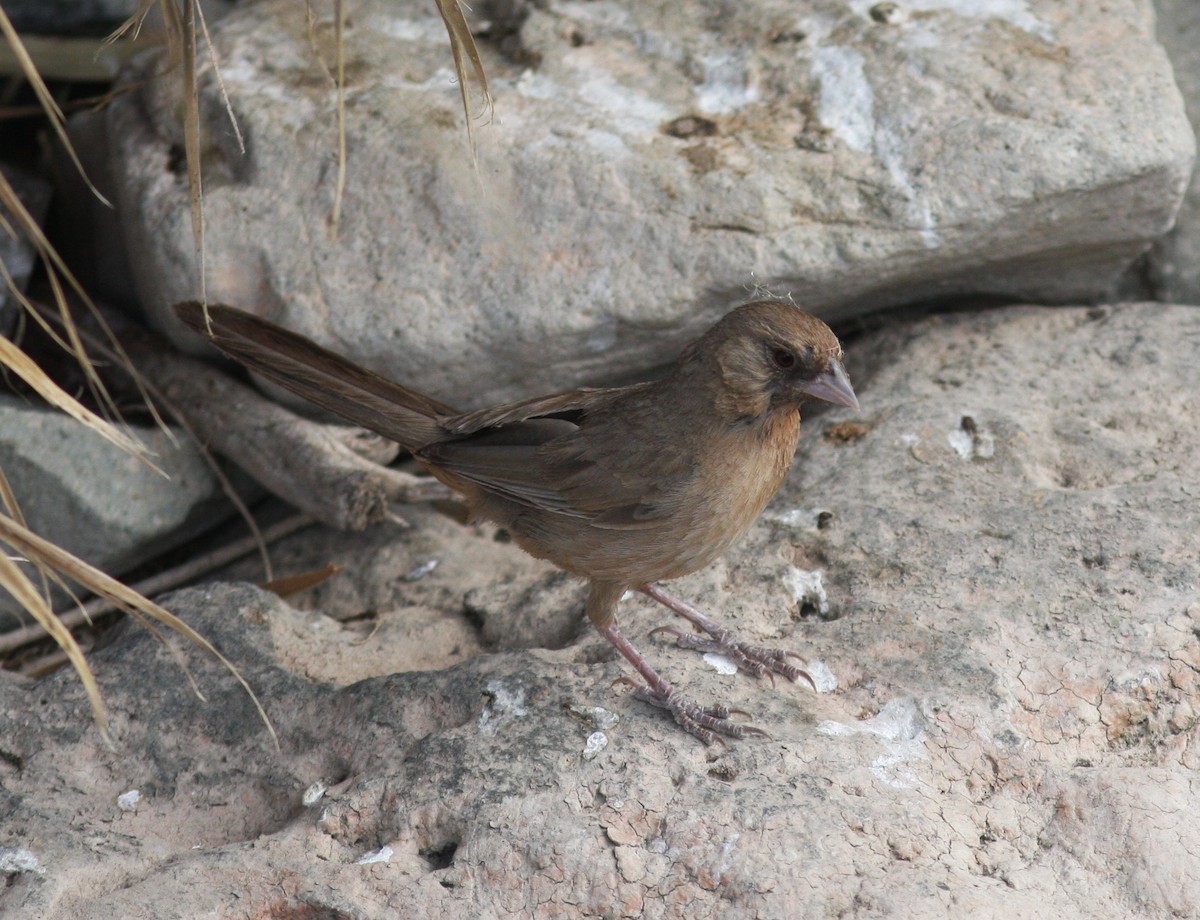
1007,536
1176,259
648,163
96,501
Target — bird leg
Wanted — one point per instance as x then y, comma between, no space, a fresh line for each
705,722
753,658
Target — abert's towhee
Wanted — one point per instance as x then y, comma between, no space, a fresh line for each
624,486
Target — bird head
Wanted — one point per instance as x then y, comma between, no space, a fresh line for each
769,353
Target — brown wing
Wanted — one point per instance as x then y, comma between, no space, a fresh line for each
585,454
549,454
319,375
572,403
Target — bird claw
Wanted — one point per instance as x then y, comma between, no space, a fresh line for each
679,637
708,723
627,681
755,660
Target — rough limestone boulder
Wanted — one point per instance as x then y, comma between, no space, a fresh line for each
1175,265
646,166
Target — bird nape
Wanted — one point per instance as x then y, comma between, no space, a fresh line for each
625,486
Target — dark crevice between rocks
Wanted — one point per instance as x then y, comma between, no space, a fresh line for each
12,760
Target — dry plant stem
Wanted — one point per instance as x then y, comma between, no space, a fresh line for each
333,472
16,583
53,113
142,389
75,617
148,614
186,26
466,61
78,60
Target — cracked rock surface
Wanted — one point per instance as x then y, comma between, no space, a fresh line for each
1006,538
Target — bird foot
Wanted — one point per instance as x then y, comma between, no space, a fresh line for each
708,723
755,659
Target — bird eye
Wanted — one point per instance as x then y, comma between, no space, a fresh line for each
783,358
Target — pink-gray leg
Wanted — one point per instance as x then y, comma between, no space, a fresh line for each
705,722
753,658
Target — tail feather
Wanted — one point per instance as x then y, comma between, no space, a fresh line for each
320,376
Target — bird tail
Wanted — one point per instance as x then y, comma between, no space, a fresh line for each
318,375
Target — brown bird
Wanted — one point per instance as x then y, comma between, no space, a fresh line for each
625,486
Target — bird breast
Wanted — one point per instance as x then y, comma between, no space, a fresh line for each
741,471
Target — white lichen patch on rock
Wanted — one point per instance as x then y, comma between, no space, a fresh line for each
900,727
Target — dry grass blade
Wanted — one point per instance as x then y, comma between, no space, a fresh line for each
8,500
216,66
339,82
9,112
24,367
53,112
182,574
34,547
181,46
74,60
57,272
181,21
145,387
133,25
17,583
181,34
466,59
340,188
13,580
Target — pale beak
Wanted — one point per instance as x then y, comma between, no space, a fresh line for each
832,385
